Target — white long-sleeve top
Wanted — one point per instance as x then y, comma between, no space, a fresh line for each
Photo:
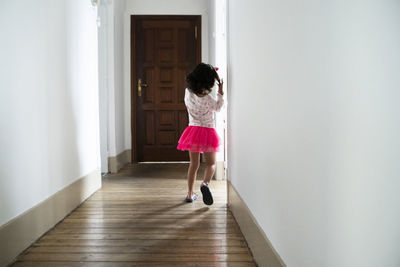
202,109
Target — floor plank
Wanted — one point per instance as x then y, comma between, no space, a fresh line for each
138,249
139,218
104,257
143,243
133,264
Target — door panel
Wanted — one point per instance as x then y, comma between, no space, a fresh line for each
164,49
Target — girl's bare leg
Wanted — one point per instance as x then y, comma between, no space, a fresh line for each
192,171
210,167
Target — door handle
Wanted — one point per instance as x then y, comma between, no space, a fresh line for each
140,85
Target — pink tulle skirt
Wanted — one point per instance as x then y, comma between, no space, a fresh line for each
199,139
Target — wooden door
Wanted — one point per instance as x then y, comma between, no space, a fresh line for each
164,50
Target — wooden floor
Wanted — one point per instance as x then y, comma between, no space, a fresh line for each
139,218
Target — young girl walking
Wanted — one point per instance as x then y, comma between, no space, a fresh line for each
200,136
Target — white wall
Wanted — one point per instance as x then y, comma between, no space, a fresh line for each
105,97
219,51
120,101
314,127
112,106
49,122
157,7
211,31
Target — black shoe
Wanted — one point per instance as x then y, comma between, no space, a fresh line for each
207,197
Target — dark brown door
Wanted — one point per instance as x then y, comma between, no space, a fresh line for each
164,49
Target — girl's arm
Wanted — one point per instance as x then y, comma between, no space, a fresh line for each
220,99
187,100
217,104
220,87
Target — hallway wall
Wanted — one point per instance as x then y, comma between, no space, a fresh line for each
112,99
314,127
49,118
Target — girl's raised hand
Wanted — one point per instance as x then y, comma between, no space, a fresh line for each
220,87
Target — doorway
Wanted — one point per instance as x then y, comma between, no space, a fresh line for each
164,49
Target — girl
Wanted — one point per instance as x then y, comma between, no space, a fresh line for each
200,136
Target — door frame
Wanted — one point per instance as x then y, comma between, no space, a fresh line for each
134,19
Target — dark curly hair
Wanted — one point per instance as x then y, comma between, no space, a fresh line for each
202,79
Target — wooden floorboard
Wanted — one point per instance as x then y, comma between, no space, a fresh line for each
133,264
139,218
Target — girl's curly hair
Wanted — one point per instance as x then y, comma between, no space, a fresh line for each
202,79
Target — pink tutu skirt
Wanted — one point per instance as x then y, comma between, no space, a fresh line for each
199,139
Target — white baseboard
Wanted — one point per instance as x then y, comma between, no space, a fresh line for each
263,252
220,171
22,231
117,162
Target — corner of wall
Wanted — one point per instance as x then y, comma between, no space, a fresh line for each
118,162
